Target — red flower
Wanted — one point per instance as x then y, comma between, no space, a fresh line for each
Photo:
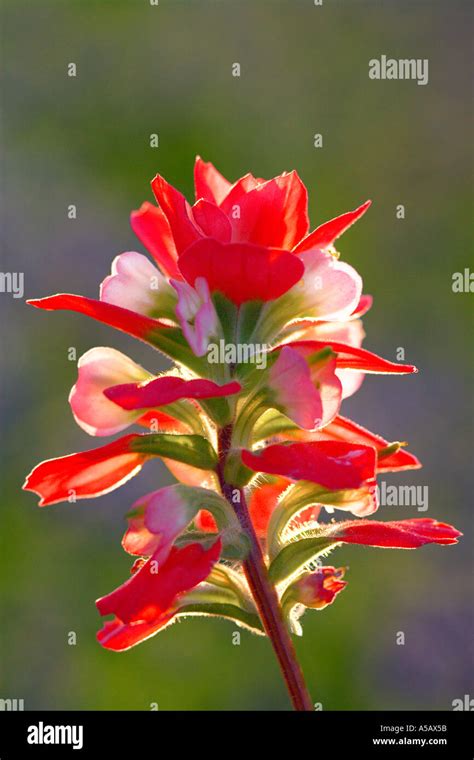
237,267
89,473
149,600
272,213
317,590
399,534
342,429
98,471
332,464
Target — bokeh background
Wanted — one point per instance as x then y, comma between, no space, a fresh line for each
304,70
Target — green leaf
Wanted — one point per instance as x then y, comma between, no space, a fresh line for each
294,556
221,595
173,344
272,423
227,313
305,494
247,318
219,409
228,611
190,449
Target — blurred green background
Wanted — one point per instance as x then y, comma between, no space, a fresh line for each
85,141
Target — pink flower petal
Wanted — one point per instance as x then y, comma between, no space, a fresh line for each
97,370
311,402
329,290
134,284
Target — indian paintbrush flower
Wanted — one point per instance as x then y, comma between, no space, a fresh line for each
260,451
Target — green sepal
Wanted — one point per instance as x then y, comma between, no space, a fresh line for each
225,577
186,413
235,544
190,449
235,472
228,611
302,495
295,555
219,409
389,449
171,342
247,318
227,313
222,594
272,423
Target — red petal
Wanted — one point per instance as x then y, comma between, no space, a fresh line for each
238,190
332,464
205,522
342,429
166,390
325,235
399,534
240,271
263,501
151,227
178,213
212,221
149,597
209,183
119,636
351,357
273,213
130,322
86,474
159,421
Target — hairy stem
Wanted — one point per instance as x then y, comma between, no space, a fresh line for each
263,591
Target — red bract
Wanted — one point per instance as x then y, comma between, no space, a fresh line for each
401,534
150,598
262,322
325,235
89,473
350,357
333,464
135,324
166,390
389,457
240,271
150,225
